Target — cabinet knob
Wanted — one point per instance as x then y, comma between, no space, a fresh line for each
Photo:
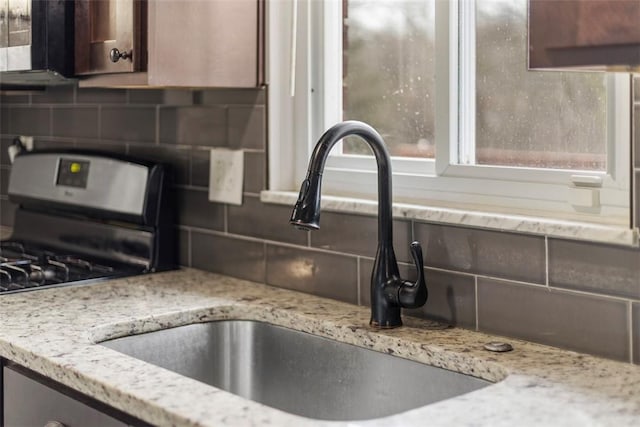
54,424
115,55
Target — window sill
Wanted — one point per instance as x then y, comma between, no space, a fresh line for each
573,230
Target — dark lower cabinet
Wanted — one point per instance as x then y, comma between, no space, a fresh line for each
30,400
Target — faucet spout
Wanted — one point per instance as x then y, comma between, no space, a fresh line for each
389,293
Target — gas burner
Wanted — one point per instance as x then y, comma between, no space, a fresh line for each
23,267
79,263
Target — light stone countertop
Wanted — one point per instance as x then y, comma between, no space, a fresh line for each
54,331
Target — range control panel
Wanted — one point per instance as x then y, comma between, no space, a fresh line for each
91,181
73,173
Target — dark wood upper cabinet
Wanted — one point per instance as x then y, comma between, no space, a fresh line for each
602,35
110,36
175,43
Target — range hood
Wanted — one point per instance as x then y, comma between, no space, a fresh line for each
588,35
36,43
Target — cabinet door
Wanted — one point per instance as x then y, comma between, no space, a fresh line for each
29,403
584,33
110,36
206,43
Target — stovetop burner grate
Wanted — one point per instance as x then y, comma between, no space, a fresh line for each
24,267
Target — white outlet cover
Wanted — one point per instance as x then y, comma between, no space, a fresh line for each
226,175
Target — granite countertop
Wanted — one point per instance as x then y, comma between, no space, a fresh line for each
54,332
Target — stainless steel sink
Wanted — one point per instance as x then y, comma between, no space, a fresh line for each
294,371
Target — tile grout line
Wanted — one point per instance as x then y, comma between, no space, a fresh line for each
630,329
608,297
475,284
226,219
100,124
546,261
50,133
189,249
156,127
191,155
268,241
265,260
358,293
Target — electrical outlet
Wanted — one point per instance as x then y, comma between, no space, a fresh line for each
226,175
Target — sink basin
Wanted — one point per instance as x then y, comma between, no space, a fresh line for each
294,371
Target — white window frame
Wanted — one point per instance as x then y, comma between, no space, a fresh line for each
298,115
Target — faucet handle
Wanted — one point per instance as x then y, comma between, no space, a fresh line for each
414,295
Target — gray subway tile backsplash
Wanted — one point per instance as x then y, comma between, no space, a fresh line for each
315,272
28,120
128,123
4,120
62,144
232,96
23,98
54,95
490,253
227,255
161,96
570,320
196,210
75,121
452,299
7,212
178,97
176,157
91,144
4,180
358,234
101,96
193,125
147,96
264,221
635,331
5,143
247,127
200,160
595,268
254,172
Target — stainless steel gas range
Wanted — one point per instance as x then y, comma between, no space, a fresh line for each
85,216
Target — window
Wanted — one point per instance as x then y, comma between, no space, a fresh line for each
389,73
446,85
533,119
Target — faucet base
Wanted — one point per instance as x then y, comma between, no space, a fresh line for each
384,316
376,325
